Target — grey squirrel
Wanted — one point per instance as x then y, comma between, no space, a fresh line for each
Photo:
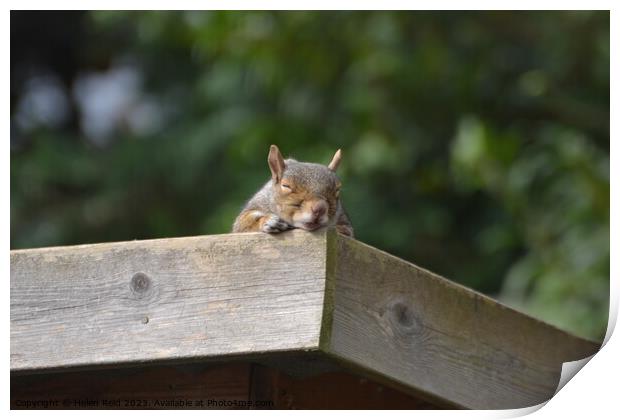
299,195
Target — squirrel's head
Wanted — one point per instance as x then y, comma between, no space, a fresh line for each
307,194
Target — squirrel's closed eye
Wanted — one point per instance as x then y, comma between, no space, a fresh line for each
297,205
286,188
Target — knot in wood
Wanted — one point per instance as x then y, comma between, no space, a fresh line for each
403,318
140,283
403,315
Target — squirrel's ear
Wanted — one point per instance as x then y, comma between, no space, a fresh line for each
276,163
333,165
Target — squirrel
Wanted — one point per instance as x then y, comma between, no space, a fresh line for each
299,195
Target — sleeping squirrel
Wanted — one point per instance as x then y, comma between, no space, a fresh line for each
299,195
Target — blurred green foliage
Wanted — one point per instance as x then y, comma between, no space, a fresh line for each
476,144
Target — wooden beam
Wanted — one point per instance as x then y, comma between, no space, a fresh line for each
145,301
397,321
235,385
245,296
329,391
176,387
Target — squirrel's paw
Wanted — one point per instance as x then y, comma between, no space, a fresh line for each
345,230
275,225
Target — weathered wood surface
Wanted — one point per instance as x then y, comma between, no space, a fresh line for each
248,295
399,321
181,298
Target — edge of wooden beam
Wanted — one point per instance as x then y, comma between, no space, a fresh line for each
414,329
248,296
166,299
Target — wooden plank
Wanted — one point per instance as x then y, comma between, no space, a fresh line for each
250,296
328,391
203,386
168,299
189,386
420,331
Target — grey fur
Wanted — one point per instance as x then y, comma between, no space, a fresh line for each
313,177
275,225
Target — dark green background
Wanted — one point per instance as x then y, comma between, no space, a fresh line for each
475,144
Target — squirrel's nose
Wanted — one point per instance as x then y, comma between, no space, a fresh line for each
319,209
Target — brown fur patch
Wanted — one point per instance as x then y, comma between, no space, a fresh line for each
298,200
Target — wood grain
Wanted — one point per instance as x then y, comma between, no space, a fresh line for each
191,386
305,302
445,340
329,391
166,299
183,386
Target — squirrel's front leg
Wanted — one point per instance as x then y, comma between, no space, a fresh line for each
257,221
343,224
345,229
271,223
